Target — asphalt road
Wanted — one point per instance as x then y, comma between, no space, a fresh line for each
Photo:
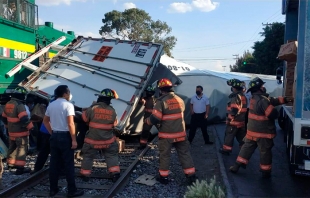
249,183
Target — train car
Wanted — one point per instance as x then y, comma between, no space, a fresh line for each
20,36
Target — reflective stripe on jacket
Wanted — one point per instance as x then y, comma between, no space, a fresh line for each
101,119
168,110
236,109
16,118
262,115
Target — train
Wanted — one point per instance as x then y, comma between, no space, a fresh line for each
20,36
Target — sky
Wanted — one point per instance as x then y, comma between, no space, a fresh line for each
209,32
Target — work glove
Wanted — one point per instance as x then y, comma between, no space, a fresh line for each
288,99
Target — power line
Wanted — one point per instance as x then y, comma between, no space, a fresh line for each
181,59
213,46
222,46
257,30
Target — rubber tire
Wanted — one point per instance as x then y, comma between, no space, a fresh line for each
291,166
281,119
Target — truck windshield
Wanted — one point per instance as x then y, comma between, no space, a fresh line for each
19,11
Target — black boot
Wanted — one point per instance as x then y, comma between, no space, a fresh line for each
191,179
22,170
235,168
266,174
142,146
224,152
85,178
1,185
163,180
115,177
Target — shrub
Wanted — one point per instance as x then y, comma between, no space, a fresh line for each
205,189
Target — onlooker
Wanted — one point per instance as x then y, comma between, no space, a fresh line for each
10,11
29,104
200,108
59,121
45,146
4,137
248,96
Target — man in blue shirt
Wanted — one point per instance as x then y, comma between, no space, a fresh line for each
45,148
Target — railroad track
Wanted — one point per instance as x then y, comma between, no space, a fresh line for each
99,185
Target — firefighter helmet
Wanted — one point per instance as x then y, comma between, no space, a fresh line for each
255,83
109,93
20,90
150,88
164,83
235,83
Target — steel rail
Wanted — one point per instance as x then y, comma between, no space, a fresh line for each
33,180
29,182
120,183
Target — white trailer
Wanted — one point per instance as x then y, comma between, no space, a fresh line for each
214,84
89,65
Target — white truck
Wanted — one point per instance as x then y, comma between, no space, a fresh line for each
89,65
295,119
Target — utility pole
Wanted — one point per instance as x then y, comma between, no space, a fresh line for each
266,24
236,56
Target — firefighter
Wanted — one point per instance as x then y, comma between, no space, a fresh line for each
261,127
148,103
169,112
18,126
236,112
101,118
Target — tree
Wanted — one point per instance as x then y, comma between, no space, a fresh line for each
136,24
266,51
244,64
263,60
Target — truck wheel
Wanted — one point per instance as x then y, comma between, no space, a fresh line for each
291,156
281,118
292,169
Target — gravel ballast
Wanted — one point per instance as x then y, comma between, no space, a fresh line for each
205,161
206,164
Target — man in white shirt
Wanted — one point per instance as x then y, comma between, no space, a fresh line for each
59,121
248,97
200,108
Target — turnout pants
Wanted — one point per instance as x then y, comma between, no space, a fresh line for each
110,154
184,155
17,151
230,134
145,134
198,120
264,145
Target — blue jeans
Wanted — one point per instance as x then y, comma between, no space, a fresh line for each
3,134
60,144
44,151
